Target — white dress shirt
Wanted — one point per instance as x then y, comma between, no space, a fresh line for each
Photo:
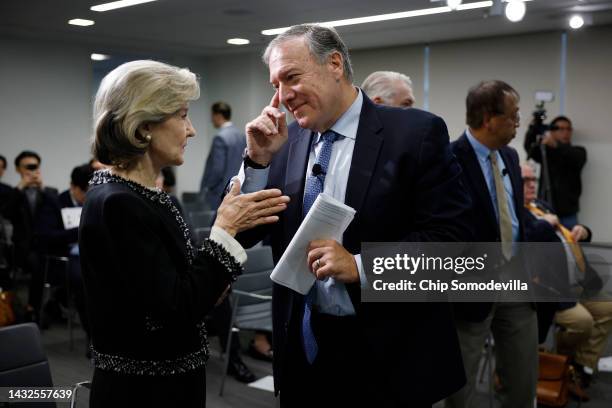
331,296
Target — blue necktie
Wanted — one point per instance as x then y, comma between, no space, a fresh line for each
314,186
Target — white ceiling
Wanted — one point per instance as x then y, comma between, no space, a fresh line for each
201,27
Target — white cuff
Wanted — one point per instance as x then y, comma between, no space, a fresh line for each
252,180
221,237
363,282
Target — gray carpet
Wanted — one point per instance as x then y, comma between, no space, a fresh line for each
69,367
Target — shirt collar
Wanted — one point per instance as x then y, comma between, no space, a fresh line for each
347,124
226,124
482,151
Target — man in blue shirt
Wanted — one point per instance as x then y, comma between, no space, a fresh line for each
395,168
492,176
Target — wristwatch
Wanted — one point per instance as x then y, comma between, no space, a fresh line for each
248,162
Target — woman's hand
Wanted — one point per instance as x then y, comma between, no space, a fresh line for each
239,212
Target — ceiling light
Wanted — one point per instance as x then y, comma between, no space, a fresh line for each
453,4
238,41
391,16
515,10
81,22
576,22
99,57
118,4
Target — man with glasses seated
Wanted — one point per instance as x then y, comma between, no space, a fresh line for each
586,323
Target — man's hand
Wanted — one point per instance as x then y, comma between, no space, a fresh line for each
549,140
267,133
579,233
552,219
30,179
327,258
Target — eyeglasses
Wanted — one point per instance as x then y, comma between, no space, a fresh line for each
514,117
530,180
31,166
568,128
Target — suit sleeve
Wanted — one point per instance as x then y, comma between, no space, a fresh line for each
215,165
170,292
442,201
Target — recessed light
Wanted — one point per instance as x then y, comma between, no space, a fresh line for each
515,10
238,41
576,22
81,22
118,4
99,57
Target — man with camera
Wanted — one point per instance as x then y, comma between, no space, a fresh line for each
560,182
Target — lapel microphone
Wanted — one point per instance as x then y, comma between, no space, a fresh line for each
317,170
504,172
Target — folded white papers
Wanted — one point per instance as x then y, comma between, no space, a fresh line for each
605,364
71,216
328,218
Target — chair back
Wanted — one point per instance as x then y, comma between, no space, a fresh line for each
23,362
202,219
255,313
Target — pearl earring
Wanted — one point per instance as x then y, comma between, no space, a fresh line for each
148,138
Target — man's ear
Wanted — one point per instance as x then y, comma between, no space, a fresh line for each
378,100
336,64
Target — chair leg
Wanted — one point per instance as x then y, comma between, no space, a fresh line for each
69,306
46,293
229,342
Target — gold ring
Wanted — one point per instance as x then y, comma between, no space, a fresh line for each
318,263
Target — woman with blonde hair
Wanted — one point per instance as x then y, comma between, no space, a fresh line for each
148,288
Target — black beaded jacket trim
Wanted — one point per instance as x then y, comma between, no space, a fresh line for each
193,360
127,365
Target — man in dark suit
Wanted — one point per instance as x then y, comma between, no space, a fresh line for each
225,155
38,229
394,167
492,176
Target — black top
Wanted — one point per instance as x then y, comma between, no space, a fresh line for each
565,163
41,230
147,288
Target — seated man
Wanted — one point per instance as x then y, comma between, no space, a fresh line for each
586,324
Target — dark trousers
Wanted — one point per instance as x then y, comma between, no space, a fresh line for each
336,377
329,380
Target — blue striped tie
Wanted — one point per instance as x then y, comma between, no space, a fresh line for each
314,186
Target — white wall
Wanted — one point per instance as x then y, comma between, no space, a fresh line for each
589,83
45,106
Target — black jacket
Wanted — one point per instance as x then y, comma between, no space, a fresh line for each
482,215
147,289
41,231
565,163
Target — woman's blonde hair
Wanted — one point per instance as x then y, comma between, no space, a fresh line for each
133,94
